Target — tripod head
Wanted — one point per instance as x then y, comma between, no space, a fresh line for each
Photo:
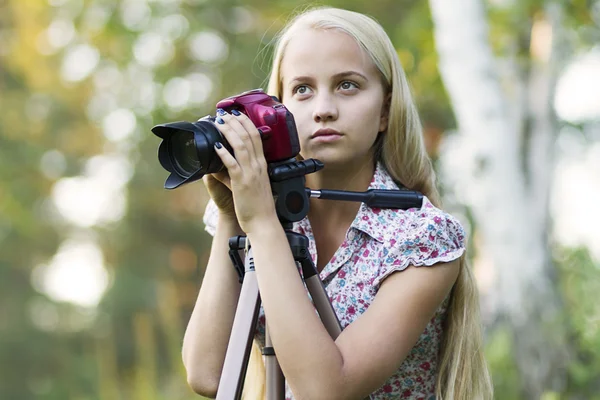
291,196
287,183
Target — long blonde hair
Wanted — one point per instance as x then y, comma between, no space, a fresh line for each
463,372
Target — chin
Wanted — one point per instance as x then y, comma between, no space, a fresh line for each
330,158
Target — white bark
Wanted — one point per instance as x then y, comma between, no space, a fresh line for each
499,164
490,177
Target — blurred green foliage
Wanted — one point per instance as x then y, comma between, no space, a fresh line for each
68,69
580,284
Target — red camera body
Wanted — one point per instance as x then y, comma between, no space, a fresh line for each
275,122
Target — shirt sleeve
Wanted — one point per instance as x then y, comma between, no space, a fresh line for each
211,217
428,236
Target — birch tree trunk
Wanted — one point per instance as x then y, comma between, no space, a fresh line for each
500,164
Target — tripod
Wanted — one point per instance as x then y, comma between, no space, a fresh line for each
291,204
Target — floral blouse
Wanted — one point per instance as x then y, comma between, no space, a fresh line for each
378,243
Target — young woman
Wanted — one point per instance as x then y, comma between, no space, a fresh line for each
397,279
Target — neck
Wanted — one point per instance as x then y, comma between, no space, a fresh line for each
354,177
350,177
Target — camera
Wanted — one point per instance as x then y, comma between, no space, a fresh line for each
187,148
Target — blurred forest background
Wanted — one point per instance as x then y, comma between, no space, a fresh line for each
100,266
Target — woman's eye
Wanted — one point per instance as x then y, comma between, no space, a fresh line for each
302,89
347,85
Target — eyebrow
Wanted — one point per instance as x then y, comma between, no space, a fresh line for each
336,76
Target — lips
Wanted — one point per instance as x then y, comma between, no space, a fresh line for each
325,132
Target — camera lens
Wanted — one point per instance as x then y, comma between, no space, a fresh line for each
183,153
187,150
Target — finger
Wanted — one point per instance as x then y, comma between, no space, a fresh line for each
228,160
242,131
223,177
239,147
253,132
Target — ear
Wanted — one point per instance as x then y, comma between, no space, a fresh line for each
385,113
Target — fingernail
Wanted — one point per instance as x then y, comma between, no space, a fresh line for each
236,112
218,145
220,111
220,121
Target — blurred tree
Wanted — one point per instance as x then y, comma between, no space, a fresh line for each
500,67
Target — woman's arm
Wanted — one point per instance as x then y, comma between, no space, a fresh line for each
209,328
369,350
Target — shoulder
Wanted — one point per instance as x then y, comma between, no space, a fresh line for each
427,226
419,237
426,221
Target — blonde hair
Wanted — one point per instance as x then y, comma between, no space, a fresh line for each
462,372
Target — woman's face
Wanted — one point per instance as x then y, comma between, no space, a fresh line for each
330,83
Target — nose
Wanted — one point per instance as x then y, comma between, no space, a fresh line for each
325,108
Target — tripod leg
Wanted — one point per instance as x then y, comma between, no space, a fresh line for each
299,247
275,378
242,333
323,305
246,316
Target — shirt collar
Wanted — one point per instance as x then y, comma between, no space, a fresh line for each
366,216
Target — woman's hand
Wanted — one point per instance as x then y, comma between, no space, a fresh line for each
218,186
248,174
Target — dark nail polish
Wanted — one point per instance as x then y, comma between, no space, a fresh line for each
236,112
220,111
220,121
218,145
